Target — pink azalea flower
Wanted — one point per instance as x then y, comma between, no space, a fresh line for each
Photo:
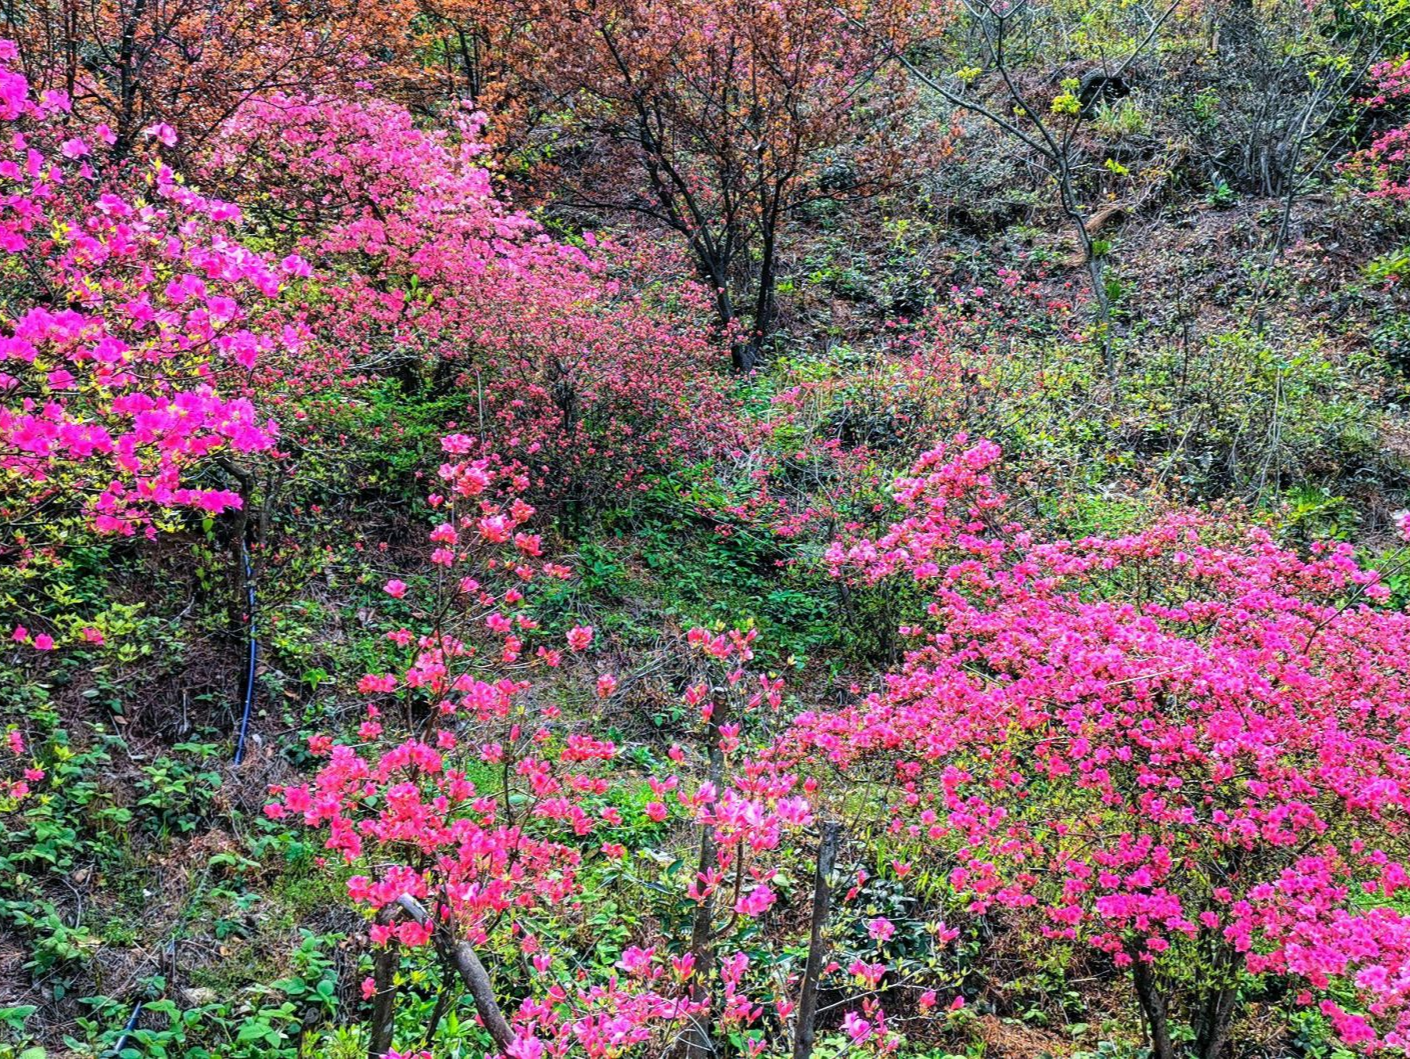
881,928
162,133
856,1027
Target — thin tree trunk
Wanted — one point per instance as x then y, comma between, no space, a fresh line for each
742,354
696,1040
128,81
239,579
462,956
1220,1018
437,1013
1153,1004
765,301
1212,1035
822,905
384,1001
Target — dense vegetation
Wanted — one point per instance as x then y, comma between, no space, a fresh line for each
704,528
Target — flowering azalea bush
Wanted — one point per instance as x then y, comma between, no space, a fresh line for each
1383,159
484,824
25,771
127,318
441,282
1182,747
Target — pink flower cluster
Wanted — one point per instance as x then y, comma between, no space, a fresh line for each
1182,741
1383,160
114,391
437,274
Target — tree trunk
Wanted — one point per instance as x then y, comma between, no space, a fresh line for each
1154,1006
1217,1016
384,1001
695,1041
462,956
765,300
822,904
128,81
743,354
237,609
1219,1020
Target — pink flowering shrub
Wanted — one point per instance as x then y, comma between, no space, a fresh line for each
133,311
20,773
1383,160
490,858
489,816
1183,747
568,373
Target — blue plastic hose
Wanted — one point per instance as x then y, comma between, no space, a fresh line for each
127,1030
254,657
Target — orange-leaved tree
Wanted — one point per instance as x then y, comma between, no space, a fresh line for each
717,120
